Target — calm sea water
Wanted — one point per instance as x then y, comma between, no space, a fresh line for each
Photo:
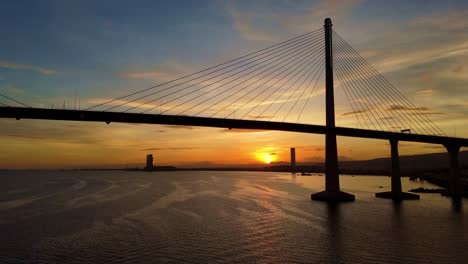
220,217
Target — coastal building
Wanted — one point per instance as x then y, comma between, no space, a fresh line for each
149,162
293,159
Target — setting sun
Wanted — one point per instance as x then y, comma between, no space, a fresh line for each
266,157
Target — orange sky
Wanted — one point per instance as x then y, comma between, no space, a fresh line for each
56,144
54,57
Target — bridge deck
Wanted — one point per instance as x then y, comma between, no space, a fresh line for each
96,116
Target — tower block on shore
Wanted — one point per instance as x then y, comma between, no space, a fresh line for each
293,160
332,191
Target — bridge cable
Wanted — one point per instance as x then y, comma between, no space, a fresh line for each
295,48
318,56
387,83
264,89
287,100
355,83
379,96
365,112
287,56
256,53
242,89
362,110
379,91
348,97
376,92
257,62
311,93
300,97
394,93
360,86
284,69
16,101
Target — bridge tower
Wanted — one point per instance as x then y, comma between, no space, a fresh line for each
332,191
454,184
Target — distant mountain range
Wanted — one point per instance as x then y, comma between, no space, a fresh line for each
408,163
382,166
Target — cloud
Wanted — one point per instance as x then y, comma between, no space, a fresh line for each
244,24
122,103
434,147
423,56
405,108
16,66
424,92
387,118
427,39
180,127
173,148
429,113
26,136
164,72
13,90
236,130
454,21
458,69
259,116
354,112
52,132
260,22
311,148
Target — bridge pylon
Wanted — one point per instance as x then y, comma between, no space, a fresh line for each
332,191
396,194
454,183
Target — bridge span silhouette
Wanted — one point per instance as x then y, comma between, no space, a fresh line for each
382,111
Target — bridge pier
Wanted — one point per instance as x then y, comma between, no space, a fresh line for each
396,194
332,191
454,184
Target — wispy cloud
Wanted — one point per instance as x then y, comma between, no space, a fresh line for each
314,148
235,130
260,22
406,108
180,127
171,148
259,116
163,72
354,112
13,90
244,24
423,56
122,103
456,20
424,92
17,66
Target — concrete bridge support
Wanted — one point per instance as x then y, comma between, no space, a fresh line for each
332,191
396,193
454,184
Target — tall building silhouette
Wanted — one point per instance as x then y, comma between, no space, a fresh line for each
149,162
293,159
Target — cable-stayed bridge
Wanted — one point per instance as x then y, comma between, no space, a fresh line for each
271,89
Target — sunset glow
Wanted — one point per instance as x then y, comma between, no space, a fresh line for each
33,70
266,157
